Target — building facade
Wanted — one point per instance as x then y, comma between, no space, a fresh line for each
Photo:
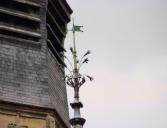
32,87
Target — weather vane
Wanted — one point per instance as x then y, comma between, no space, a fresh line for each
76,80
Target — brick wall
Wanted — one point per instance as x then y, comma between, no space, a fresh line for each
24,69
57,88
23,73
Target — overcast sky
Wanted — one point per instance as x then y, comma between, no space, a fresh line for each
128,40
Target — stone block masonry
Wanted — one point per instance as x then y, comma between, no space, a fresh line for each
23,74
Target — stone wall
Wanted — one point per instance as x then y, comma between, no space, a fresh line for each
23,73
57,88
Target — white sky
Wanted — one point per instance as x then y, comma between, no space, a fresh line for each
128,40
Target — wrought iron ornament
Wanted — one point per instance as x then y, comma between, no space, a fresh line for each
76,80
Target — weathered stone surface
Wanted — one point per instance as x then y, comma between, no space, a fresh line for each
23,74
57,88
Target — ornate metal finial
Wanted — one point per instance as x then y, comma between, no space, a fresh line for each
76,80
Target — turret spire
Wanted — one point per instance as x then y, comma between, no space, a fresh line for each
76,80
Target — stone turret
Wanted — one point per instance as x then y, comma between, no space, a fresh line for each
32,89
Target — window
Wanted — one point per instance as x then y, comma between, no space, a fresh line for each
20,20
56,31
